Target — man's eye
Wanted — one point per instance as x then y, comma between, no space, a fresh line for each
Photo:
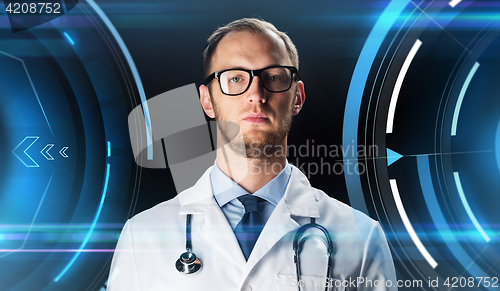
275,78
235,79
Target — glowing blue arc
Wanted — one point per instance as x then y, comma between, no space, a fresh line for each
497,146
92,227
406,222
356,89
399,84
467,207
135,73
454,122
70,40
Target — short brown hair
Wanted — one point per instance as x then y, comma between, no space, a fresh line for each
246,24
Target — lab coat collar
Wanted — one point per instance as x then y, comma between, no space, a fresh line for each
212,223
195,199
299,197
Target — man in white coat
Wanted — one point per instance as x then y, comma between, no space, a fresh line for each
246,209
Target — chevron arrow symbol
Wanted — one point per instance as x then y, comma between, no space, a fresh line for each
63,152
45,152
28,162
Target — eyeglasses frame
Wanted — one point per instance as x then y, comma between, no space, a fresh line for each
252,73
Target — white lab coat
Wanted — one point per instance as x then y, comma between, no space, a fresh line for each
153,240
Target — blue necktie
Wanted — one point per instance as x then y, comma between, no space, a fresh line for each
248,229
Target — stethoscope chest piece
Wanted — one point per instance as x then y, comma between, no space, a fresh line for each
188,263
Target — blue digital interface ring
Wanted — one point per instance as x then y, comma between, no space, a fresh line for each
424,99
68,179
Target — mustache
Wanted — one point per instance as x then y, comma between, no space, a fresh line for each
262,109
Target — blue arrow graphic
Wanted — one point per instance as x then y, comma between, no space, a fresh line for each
45,153
29,163
63,152
392,156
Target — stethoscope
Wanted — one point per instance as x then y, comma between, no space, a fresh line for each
298,242
188,263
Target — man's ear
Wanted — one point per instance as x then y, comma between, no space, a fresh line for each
300,98
206,102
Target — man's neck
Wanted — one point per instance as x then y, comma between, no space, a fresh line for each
250,174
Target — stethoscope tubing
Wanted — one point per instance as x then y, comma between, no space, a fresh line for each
298,242
188,263
189,245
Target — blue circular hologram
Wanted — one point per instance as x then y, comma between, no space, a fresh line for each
431,156
66,93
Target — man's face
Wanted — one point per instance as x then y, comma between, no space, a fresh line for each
264,117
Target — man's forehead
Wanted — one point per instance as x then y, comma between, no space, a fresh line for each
243,46
249,35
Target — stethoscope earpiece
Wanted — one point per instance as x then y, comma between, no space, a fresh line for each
188,263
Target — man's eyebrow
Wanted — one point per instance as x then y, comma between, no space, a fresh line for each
242,68
236,68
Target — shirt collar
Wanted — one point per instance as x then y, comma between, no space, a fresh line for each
225,189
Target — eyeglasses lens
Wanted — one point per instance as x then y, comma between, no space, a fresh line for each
235,82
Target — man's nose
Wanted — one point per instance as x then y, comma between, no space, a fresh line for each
256,92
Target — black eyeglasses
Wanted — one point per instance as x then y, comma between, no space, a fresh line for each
234,82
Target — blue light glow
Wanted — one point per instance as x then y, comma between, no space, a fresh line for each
89,233
70,40
109,149
461,98
467,207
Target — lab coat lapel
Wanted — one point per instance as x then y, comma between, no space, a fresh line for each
199,200
299,201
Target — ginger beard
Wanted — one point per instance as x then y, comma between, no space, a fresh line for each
266,145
